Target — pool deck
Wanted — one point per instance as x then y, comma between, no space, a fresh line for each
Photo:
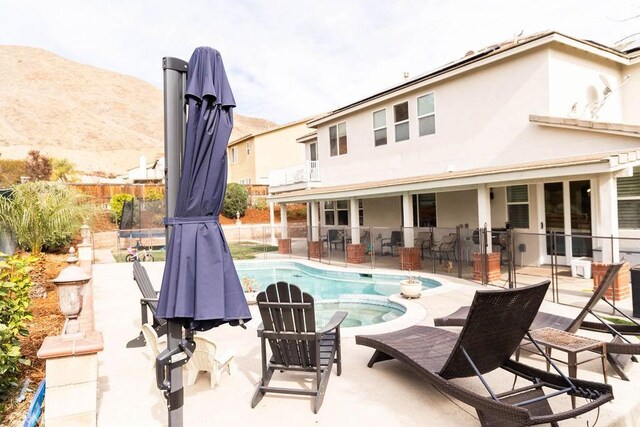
387,395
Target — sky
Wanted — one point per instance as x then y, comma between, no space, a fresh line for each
292,59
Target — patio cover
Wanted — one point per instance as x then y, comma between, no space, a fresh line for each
200,286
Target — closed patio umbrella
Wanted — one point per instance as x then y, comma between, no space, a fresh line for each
200,286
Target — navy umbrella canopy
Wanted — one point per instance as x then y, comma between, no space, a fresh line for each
200,287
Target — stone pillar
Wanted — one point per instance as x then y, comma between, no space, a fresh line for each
355,253
409,258
315,249
620,288
72,379
492,263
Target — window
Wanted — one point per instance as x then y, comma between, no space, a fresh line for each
380,127
329,213
245,181
248,148
336,213
234,155
425,205
401,119
360,214
338,139
427,115
629,201
313,152
518,206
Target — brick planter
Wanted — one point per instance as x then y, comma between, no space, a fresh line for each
493,266
621,285
315,249
409,258
355,253
284,246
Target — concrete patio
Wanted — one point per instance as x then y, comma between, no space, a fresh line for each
387,395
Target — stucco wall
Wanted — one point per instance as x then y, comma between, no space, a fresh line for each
245,165
277,150
482,120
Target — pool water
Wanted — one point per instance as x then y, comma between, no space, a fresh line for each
364,296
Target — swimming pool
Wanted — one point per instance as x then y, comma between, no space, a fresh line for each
365,296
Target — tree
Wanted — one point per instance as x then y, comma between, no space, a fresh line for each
117,202
63,170
38,167
235,200
44,214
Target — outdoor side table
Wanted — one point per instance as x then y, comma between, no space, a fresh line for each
572,344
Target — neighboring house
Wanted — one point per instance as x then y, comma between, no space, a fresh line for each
145,172
540,133
267,157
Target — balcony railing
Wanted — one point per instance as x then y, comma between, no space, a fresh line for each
308,171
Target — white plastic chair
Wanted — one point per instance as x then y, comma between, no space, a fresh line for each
205,357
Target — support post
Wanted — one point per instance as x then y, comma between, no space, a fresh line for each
272,220
407,219
354,219
608,218
175,75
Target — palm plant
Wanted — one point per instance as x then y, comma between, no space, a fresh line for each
43,214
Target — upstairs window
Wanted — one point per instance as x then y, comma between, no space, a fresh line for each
518,206
427,115
380,127
234,155
248,148
313,152
338,139
401,120
629,201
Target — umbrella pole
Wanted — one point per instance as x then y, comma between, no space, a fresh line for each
175,397
174,71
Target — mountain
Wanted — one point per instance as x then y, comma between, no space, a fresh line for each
98,119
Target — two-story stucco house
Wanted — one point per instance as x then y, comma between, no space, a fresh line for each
252,158
541,133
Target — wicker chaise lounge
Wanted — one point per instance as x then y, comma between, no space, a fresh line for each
289,329
497,322
618,350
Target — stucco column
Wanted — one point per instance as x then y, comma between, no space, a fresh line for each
484,211
407,219
272,223
283,221
315,223
354,220
608,218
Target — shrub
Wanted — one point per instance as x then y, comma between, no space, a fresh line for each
44,214
116,203
235,200
261,203
153,194
38,167
15,284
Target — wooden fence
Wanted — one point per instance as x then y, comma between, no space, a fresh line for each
102,193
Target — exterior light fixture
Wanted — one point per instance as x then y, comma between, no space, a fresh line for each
85,232
70,283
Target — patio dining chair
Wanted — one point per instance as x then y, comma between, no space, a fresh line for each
424,241
393,242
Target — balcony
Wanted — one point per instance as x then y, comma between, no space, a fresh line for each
298,177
